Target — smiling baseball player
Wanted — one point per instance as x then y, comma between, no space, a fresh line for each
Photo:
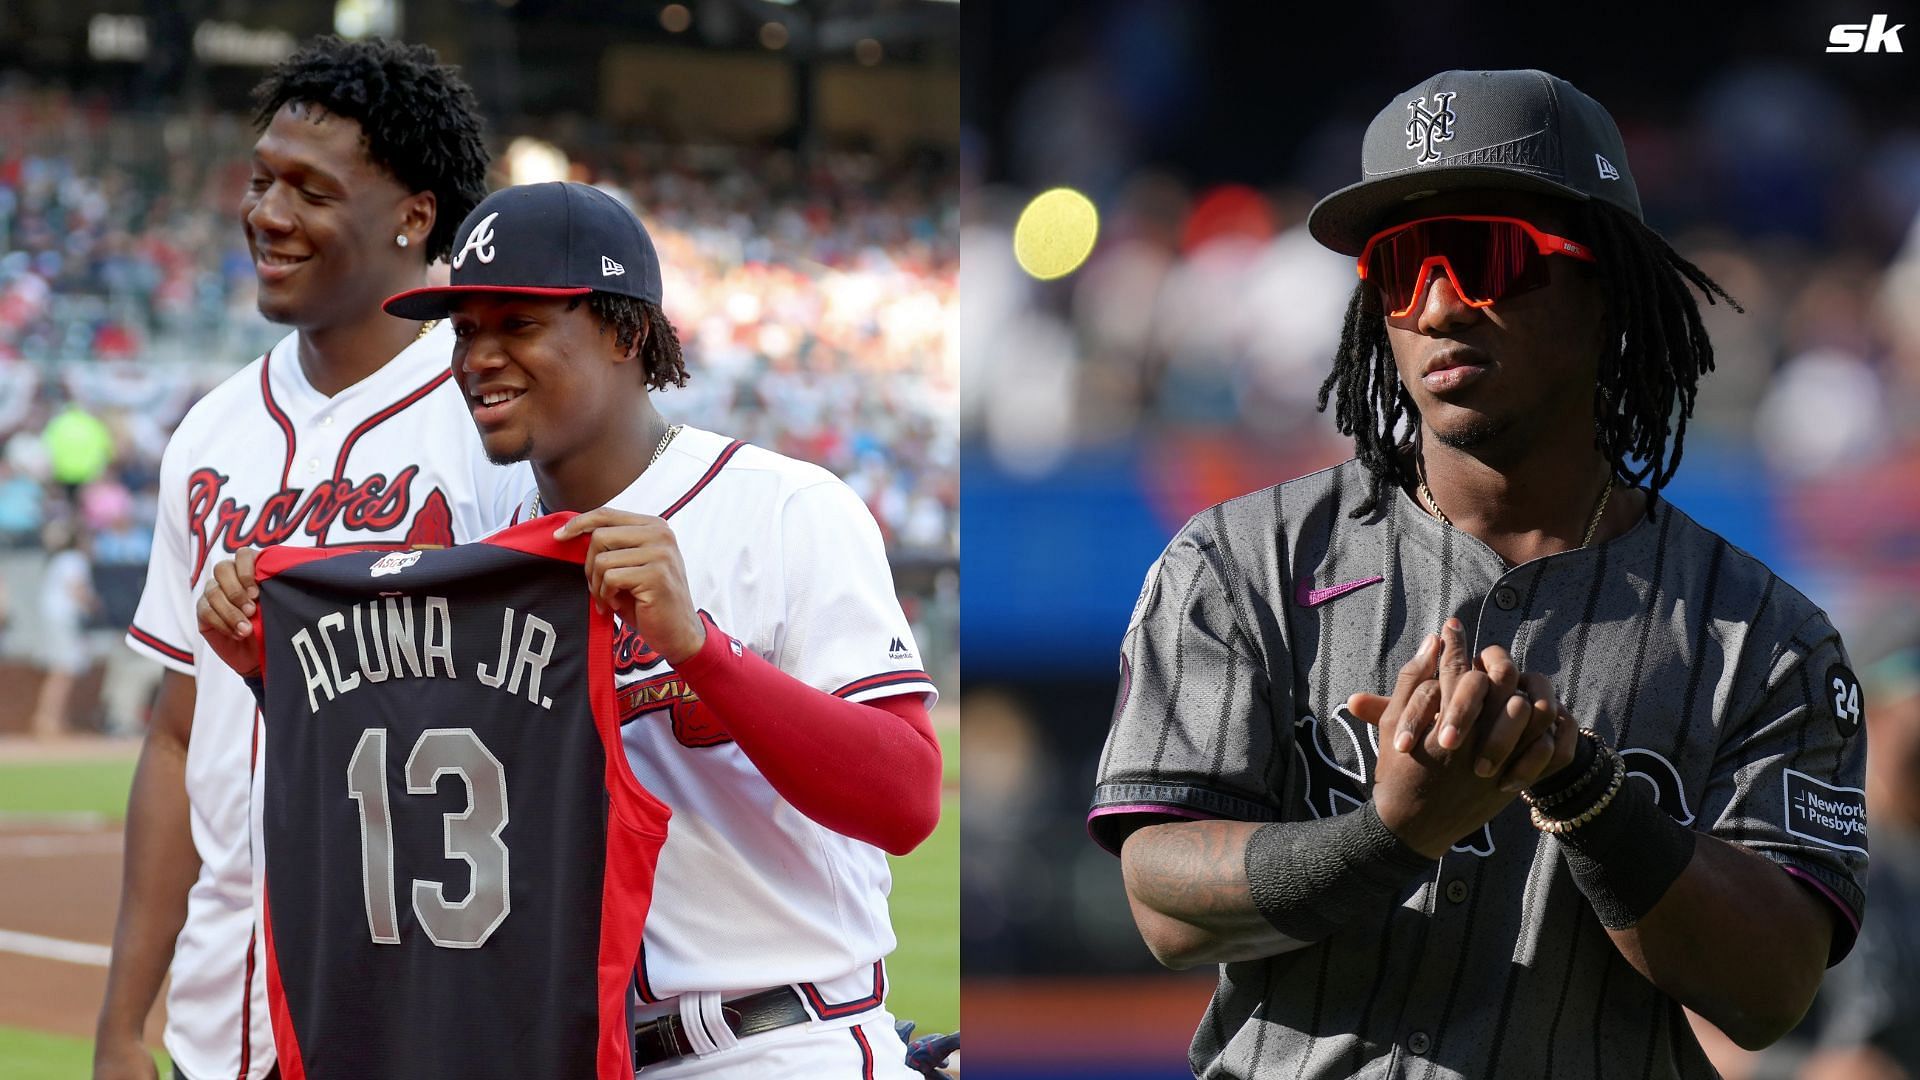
767,679
350,431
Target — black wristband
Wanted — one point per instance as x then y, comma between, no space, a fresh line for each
1309,877
1628,856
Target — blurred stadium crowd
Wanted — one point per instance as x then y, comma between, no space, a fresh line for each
1181,365
817,308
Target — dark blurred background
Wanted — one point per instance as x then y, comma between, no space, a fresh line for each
1178,367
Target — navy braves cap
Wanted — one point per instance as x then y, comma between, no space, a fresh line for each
554,239
1520,130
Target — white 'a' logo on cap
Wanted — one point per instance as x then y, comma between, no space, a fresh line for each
479,242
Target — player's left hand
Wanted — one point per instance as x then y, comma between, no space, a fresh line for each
634,569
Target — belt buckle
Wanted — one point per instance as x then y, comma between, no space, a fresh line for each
673,1035
667,1034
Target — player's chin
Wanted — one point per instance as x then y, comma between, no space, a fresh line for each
276,307
1464,429
507,447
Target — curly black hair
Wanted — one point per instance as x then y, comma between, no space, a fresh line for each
1653,351
418,119
641,320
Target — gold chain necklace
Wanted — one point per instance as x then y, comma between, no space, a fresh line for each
537,506
1593,523
426,328
662,448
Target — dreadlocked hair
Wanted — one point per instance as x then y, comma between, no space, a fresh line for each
418,119
1653,351
633,320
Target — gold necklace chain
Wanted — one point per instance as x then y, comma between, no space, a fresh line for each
537,507
426,328
662,448
1593,523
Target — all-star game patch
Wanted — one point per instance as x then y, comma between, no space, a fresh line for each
1843,699
1824,814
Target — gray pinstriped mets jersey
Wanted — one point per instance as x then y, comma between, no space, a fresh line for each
1726,690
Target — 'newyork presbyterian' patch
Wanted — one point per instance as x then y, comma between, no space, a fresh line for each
1824,814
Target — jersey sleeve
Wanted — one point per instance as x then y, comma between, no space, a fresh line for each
164,627
844,630
1789,779
1193,735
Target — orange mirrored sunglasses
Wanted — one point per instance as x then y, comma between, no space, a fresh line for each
1485,257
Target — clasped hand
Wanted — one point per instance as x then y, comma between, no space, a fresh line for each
1460,737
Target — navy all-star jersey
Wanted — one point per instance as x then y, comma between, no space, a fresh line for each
458,859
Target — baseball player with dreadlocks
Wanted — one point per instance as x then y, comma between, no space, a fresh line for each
1473,757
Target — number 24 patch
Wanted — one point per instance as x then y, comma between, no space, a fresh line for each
1843,697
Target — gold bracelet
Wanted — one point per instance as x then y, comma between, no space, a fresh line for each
1561,827
1593,770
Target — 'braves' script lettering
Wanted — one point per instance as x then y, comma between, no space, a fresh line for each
375,504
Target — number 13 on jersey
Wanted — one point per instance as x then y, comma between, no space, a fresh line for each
471,835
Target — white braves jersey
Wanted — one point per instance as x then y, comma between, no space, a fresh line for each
266,459
750,893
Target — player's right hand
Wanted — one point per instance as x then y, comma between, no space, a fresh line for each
226,610
123,1059
1429,792
1508,717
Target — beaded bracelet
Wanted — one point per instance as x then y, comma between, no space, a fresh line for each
1560,827
1578,786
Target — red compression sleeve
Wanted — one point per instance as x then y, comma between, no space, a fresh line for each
869,771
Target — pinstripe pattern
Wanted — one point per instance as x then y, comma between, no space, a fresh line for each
1665,639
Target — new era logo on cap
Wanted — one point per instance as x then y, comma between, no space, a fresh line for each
608,267
1607,171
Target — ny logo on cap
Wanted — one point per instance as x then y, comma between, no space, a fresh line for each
479,242
1429,127
608,267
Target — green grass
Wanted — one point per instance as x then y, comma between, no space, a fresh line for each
925,968
66,787
32,1055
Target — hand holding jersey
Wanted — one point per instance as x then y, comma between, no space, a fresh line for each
634,568
225,610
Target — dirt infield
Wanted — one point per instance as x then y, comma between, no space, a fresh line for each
62,885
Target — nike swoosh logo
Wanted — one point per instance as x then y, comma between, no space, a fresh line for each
1306,596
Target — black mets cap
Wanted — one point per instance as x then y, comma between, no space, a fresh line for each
555,239
1519,130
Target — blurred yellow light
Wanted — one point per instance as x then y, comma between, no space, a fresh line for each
1055,233
675,18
